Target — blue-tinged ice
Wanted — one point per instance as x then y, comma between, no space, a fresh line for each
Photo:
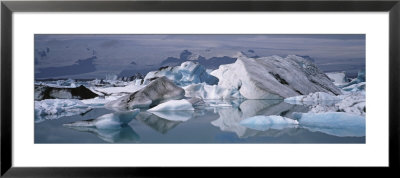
187,73
264,123
333,123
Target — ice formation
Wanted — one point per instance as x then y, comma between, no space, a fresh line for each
204,91
338,78
274,77
173,105
264,123
46,92
56,108
333,123
174,115
314,99
156,92
187,73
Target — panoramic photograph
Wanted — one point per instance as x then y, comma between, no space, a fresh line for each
199,88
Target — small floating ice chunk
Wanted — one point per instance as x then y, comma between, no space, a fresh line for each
174,115
264,123
174,105
330,119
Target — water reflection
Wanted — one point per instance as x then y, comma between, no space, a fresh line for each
124,134
229,118
112,127
157,123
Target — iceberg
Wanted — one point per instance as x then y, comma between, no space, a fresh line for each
274,77
333,123
317,98
353,103
264,123
108,121
180,116
338,78
158,91
355,87
56,108
187,73
204,91
174,105
46,92
130,88
360,78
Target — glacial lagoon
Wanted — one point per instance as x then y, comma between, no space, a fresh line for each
218,123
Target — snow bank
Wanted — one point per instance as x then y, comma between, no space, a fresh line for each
187,73
56,108
107,121
274,77
174,105
204,91
264,123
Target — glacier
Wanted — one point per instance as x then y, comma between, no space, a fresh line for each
282,77
317,98
187,73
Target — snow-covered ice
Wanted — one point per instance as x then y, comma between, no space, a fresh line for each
281,77
173,105
264,123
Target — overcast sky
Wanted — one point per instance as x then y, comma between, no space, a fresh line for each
94,56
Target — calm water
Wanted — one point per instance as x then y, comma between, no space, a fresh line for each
205,125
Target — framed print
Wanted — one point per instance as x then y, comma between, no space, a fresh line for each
142,88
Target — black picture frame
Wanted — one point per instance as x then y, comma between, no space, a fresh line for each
8,7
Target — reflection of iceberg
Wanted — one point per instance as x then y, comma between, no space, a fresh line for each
229,118
157,123
264,123
108,121
333,123
174,115
124,134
